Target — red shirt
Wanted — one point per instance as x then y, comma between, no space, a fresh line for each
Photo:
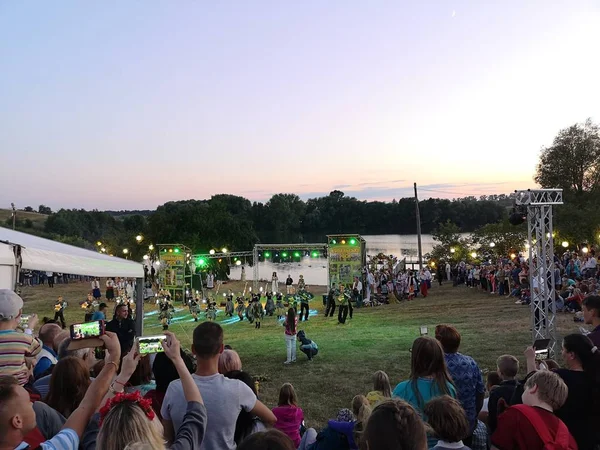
515,432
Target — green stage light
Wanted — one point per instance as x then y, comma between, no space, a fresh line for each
176,250
284,254
267,255
352,241
297,255
200,262
315,254
333,241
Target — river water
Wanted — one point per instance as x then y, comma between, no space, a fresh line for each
315,269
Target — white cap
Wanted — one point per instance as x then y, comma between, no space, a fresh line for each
10,304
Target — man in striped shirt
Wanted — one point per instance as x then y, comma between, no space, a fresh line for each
15,346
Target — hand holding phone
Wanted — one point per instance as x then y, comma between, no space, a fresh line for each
151,344
87,330
24,321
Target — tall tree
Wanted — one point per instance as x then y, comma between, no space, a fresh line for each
572,162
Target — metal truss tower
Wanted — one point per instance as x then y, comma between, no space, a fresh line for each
541,260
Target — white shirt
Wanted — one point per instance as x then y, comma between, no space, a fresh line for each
370,279
592,263
358,286
427,275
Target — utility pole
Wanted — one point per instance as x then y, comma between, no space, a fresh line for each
14,214
418,229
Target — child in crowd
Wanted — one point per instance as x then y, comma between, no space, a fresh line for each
271,440
508,367
449,422
394,425
493,380
381,388
289,415
308,347
533,425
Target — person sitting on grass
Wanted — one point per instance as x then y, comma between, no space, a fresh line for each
394,425
449,422
134,417
229,361
164,372
508,368
465,374
591,316
492,380
381,388
290,417
246,424
17,417
224,398
267,440
532,425
429,377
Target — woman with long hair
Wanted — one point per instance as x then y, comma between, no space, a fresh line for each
581,411
291,328
429,377
247,423
68,384
381,388
289,415
128,420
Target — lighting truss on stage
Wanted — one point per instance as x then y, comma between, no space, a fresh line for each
541,260
282,247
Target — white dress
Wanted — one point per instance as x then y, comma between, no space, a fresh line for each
274,285
210,281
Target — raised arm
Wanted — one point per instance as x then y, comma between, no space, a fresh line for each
173,351
79,419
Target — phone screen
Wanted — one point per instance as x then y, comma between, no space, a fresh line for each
541,349
423,331
87,330
23,321
151,344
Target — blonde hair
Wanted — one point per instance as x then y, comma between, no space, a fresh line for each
228,361
551,388
381,382
362,411
127,426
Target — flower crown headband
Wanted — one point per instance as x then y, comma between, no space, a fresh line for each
134,397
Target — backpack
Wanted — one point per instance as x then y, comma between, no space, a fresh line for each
560,441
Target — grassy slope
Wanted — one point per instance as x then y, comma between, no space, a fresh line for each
37,219
377,338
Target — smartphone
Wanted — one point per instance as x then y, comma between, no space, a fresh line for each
151,344
423,330
87,330
541,349
24,321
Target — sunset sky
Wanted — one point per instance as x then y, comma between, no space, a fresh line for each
128,104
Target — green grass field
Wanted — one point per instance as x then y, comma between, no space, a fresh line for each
37,219
376,338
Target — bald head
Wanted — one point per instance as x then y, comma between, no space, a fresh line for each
48,334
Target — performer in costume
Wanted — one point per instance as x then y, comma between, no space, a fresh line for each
59,307
250,309
257,310
229,304
270,305
331,299
194,306
243,273
370,285
274,285
411,285
96,289
110,289
240,306
165,308
301,283
279,306
210,280
211,310
305,297
88,305
342,300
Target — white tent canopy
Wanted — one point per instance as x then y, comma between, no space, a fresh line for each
46,255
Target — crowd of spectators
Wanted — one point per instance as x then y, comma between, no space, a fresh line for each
203,399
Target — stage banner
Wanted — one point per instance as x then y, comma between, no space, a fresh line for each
345,263
172,271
